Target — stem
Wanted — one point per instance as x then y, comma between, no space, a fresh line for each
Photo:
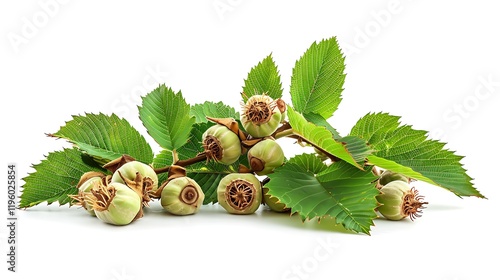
265,181
162,169
198,158
175,156
284,133
283,127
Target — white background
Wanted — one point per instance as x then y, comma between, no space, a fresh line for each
435,63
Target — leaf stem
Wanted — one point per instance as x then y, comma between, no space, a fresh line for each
175,156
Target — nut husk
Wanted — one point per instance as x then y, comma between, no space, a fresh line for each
240,193
221,144
182,196
260,116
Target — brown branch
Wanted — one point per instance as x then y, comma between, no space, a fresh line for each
283,127
198,158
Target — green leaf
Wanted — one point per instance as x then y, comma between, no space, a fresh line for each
320,121
263,78
162,159
320,137
358,147
318,79
208,181
206,174
315,190
166,115
310,163
105,137
402,149
214,110
56,177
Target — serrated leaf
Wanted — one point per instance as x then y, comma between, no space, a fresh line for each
315,190
56,177
208,181
402,149
319,136
310,163
318,79
214,110
166,116
263,78
358,147
206,174
162,159
105,137
320,121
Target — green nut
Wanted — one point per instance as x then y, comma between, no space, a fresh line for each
273,202
240,193
389,176
85,188
129,171
221,144
398,200
265,156
115,203
261,116
182,196
87,182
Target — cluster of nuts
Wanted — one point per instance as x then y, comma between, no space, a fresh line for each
119,198
242,192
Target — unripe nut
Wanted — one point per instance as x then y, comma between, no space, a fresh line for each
221,144
129,171
398,200
261,116
388,176
265,156
86,188
86,183
182,196
240,193
116,203
273,202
